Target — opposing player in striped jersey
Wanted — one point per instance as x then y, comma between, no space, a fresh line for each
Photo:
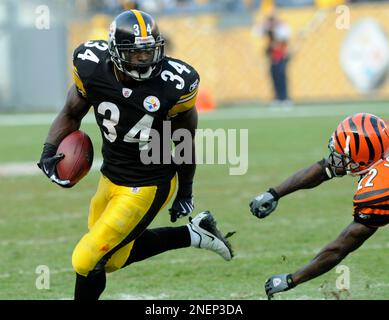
134,90
359,147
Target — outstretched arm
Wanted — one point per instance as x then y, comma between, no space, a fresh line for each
349,240
265,203
306,178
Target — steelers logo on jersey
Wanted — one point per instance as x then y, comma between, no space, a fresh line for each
151,104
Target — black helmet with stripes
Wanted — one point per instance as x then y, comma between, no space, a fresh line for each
136,45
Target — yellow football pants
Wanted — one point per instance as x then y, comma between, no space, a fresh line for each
117,216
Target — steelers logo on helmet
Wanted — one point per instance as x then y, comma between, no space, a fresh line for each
136,45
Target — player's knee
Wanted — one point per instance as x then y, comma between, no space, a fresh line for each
80,267
83,261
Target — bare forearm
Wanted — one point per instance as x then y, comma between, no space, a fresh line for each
69,118
304,179
349,240
322,263
61,127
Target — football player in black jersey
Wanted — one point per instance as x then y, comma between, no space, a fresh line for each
133,88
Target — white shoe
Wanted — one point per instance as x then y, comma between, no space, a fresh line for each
204,225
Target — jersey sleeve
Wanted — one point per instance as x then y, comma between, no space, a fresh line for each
372,196
187,98
85,61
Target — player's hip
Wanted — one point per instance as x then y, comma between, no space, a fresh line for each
113,197
373,218
136,175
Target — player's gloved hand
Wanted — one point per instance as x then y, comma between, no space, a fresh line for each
264,204
182,206
48,163
278,283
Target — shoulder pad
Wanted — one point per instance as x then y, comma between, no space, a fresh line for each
182,76
185,80
88,56
86,59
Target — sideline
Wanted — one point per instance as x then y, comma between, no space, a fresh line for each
253,112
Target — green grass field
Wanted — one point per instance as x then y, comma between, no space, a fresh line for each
41,223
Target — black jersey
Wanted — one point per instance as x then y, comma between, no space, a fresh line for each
126,113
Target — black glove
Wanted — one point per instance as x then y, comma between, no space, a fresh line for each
264,204
48,163
181,208
183,204
278,283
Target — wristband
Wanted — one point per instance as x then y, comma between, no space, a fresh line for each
289,281
327,173
49,150
274,194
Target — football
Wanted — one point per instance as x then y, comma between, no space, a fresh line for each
78,150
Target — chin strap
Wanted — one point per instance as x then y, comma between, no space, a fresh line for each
140,76
358,173
133,74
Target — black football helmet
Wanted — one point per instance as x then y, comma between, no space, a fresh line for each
136,46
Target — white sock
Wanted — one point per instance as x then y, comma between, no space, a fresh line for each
194,236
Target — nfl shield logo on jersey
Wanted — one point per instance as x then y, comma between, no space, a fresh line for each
151,103
126,92
135,190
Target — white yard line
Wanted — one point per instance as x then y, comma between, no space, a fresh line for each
11,120
259,112
35,242
30,168
292,112
32,272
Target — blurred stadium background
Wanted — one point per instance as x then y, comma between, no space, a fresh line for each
218,37
40,223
